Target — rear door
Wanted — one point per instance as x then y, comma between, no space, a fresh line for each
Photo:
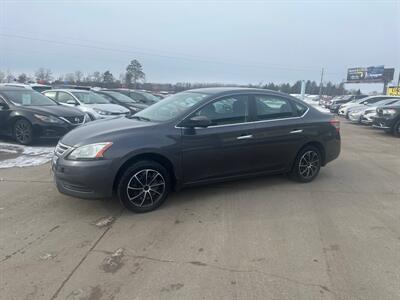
278,132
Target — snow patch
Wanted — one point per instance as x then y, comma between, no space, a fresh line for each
28,156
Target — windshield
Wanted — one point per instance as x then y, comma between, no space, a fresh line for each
90,98
150,97
119,96
28,98
171,107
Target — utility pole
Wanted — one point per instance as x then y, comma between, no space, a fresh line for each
320,84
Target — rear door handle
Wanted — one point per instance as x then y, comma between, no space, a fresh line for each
244,137
297,131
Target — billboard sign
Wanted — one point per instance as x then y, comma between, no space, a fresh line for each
393,91
369,74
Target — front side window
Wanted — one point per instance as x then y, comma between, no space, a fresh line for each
228,110
273,107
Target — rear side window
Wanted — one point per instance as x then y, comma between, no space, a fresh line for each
228,110
300,109
51,95
271,107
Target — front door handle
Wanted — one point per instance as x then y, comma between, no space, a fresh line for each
297,131
244,137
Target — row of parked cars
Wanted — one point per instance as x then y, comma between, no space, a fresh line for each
381,111
26,114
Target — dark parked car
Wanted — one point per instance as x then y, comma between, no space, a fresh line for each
335,103
26,114
123,100
388,118
139,96
195,137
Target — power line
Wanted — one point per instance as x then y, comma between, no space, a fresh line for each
259,65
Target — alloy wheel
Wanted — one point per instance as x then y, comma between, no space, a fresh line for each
23,132
145,188
309,164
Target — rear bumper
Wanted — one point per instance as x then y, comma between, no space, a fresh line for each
84,179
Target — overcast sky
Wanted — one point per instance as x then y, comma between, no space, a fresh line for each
201,41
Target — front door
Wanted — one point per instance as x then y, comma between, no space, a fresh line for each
222,149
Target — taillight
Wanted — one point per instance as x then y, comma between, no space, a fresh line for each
335,123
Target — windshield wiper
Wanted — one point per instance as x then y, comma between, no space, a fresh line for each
140,118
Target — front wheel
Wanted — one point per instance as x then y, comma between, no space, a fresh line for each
23,132
144,186
307,165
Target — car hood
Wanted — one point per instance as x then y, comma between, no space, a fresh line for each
113,108
54,110
106,130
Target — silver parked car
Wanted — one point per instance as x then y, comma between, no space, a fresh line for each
355,113
96,106
370,113
345,108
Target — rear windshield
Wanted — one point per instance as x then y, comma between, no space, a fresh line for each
28,98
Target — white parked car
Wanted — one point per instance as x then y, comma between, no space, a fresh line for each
345,108
96,106
366,115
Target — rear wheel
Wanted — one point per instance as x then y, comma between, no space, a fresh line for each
396,129
307,164
144,186
23,131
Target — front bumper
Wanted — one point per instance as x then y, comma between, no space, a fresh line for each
83,179
383,123
354,117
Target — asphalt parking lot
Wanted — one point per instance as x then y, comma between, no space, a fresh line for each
266,238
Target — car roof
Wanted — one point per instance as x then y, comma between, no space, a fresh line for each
69,90
228,90
14,88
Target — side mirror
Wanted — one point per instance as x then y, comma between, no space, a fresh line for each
72,102
197,121
3,106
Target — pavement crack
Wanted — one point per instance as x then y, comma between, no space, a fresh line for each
57,292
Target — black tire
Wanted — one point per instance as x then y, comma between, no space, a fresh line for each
139,194
396,128
307,165
23,131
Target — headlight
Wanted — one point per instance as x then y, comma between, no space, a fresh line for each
102,112
91,151
388,111
49,119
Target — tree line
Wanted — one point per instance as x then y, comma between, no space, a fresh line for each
134,77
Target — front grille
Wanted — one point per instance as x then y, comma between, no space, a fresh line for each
75,120
61,149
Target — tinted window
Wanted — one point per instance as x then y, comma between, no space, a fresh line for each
228,110
63,97
28,98
300,109
273,107
118,96
51,95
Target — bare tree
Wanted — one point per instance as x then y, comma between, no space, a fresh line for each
78,76
97,77
2,76
43,74
70,77
22,78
